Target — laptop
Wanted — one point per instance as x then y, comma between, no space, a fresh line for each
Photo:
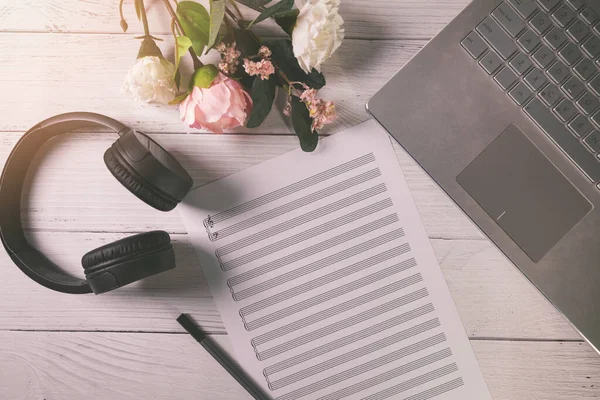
502,110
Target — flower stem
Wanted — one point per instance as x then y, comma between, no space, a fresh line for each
231,15
195,59
142,9
237,9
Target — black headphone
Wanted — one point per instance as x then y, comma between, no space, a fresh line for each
140,164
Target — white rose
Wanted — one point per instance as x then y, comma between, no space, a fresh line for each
151,79
318,32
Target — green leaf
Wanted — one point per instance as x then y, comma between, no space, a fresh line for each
287,20
302,122
204,76
217,13
283,57
183,43
255,4
179,98
279,8
263,94
195,22
245,42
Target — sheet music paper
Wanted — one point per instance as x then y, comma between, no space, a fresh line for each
326,280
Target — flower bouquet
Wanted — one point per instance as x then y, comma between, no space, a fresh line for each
240,89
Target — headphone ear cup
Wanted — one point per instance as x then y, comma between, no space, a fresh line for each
147,170
134,182
128,260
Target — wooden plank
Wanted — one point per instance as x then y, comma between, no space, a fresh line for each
381,19
49,74
492,297
71,189
68,366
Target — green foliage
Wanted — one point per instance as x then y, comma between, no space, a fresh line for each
179,98
217,13
182,46
246,43
255,4
263,94
195,22
283,57
204,76
302,122
287,20
278,9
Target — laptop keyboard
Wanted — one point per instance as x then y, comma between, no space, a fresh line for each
545,54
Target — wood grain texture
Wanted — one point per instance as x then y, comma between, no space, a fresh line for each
382,19
49,74
70,189
72,366
493,299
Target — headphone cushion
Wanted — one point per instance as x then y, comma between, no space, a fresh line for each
128,260
135,183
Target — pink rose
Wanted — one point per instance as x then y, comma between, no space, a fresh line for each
223,105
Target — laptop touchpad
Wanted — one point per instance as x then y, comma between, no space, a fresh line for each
524,193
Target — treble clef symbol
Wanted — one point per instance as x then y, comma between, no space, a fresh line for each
210,222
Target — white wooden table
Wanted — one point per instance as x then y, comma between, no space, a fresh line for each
68,55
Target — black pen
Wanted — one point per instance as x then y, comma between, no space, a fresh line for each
218,354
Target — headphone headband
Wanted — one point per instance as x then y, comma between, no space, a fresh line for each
32,262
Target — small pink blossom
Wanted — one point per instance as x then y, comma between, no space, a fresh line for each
264,52
322,112
223,105
229,57
264,68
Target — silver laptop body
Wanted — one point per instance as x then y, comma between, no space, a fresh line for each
502,110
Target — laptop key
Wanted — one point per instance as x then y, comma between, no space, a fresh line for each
490,62
558,72
580,126
585,69
495,36
544,118
563,16
543,56
588,103
595,85
592,46
520,93
540,22
520,63
575,4
596,118
505,78
555,38
548,4
474,45
528,41
524,7
593,141
550,95
565,110
535,79
588,15
570,53
597,29
508,19
578,31
573,87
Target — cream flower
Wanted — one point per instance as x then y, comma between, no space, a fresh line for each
151,79
318,32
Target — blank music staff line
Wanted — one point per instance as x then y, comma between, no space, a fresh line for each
331,294
300,220
323,280
294,205
211,221
305,235
376,363
356,336
350,356
334,327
